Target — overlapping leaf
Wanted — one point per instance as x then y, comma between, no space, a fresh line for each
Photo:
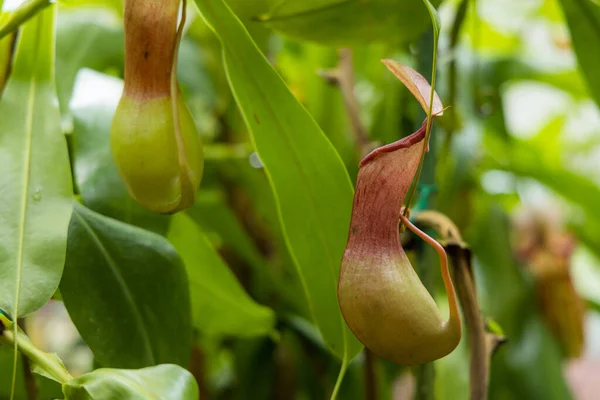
127,292
35,182
310,183
220,306
347,22
165,381
583,17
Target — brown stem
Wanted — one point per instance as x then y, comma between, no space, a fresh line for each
198,369
343,77
479,354
370,376
31,386
481,344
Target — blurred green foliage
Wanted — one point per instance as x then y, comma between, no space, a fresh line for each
259,251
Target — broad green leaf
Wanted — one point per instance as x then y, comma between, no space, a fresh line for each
36,180
311,186
96,176
220,306
348,22
127,292
163,382
583,18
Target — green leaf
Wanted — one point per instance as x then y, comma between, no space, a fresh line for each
213,214
583,18
348,22
26,10
220,306
165,381
49,389
86,39
540,159
127,292
95,172
115,6
311,186
36,178
6,53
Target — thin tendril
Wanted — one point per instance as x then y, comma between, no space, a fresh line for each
430,112
452,302
340,379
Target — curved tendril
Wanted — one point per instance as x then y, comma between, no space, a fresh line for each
452,302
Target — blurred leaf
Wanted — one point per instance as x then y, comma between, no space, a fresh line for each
49,389
127,292
165,381
259,209
583,17
531,359
310,183
302,66
26,10
36,179
220,306
263,380
487,39
96,176
540,159
246,10
115,6
348,22
6,54
86,38
531,362
211,212
452,374
498,70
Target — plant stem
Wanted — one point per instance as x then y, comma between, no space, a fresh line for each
370,376
427,59
343,78
459,18
31,387
481,343
35,355
340,379
479,354
25,11
425,373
